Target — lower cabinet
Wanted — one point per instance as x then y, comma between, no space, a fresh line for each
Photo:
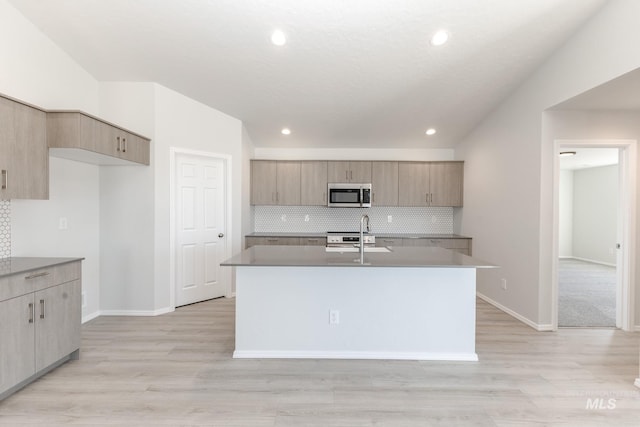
40,322
459,245
289,241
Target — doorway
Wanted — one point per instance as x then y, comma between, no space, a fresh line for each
199,224
594,234
588,234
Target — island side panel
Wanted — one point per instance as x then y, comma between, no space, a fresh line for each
384,313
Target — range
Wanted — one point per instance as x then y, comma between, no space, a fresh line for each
342,239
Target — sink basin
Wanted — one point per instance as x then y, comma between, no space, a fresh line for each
354,249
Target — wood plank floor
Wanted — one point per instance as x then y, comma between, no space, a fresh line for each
177,370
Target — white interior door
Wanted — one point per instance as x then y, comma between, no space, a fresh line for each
200,228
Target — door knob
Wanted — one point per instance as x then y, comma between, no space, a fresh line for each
221,235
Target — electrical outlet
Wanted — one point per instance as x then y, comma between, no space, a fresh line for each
503,284
334,317
62,223
389,218
283,218
306,218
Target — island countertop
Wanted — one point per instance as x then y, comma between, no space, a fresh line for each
317,256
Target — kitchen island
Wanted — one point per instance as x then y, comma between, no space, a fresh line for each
306,302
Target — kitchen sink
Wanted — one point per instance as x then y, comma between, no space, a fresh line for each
354,249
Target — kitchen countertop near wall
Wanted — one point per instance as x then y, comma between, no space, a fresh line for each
382,235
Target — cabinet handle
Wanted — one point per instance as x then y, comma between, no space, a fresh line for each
5,179
430,198
373,198
312,240
118,139
124,145
351,175
272,240
42,309
31,312
35,275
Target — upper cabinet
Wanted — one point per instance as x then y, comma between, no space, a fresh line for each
384,183
430,183
275,182
313,183
348,171
24,160
79,136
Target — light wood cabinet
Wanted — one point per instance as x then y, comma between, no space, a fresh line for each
250,241
288,183
263,182
24,159
349,171
430,183
313,183
384,183
459,245
40,320
74,130
313,241
275,182
389,241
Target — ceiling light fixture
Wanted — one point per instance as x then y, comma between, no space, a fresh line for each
278,38
439,38
567,153
431,131
286,131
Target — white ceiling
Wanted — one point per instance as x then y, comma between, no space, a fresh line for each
589,158
357,73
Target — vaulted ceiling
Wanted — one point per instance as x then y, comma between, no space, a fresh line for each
356,73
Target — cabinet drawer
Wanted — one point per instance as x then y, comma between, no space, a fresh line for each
24,283
67,272
441,243
313,241
387,241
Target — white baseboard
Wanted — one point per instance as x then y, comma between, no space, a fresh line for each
593,261
91,316
528,322
465,357
136,312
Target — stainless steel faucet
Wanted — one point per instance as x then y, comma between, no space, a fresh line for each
362,221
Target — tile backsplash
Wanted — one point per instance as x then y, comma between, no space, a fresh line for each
320,219
5,229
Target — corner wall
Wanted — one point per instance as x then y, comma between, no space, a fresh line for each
509,166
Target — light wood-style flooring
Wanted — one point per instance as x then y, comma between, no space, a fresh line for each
177,370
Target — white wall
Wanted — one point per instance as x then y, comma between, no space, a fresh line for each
565,244
509,164
595,211
36,71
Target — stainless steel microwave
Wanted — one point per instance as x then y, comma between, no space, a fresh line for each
349,195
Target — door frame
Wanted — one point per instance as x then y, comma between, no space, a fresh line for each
625,268
226,159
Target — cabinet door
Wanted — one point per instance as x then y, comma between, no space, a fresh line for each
413,184
388,241
106,142
253,241
25,156
282,241
313,183
58,320
263,182
288,183
133,148
7,144
360,172
446,180
338,171
384,182
17,345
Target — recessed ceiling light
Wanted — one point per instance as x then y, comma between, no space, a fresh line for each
278,38
439,38
286,131
431,131
567,153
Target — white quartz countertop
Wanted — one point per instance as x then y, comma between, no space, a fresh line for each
381,235
317,256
